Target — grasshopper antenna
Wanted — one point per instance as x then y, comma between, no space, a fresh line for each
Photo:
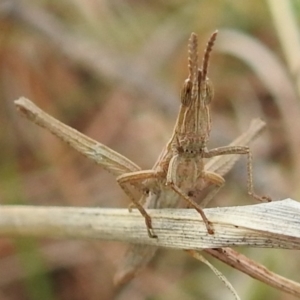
206,56
193,64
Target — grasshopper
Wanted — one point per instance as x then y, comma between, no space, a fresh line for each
181,165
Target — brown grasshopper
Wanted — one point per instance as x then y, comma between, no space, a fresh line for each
181,166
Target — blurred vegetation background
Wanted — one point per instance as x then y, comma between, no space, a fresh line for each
113,70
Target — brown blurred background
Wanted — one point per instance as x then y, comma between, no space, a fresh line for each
113,70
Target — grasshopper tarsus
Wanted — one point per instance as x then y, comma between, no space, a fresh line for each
150,230
193,204
266,198
260,198
210,228
131,206
148,220
207,223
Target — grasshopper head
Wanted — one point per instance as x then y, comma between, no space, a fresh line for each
193,126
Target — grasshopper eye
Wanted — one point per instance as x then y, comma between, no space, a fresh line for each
186,93
209,91
206,88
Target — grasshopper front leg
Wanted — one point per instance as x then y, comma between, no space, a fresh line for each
175,179
137,180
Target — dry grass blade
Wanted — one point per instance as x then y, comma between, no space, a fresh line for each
267,225
95,223
255,270
110,160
